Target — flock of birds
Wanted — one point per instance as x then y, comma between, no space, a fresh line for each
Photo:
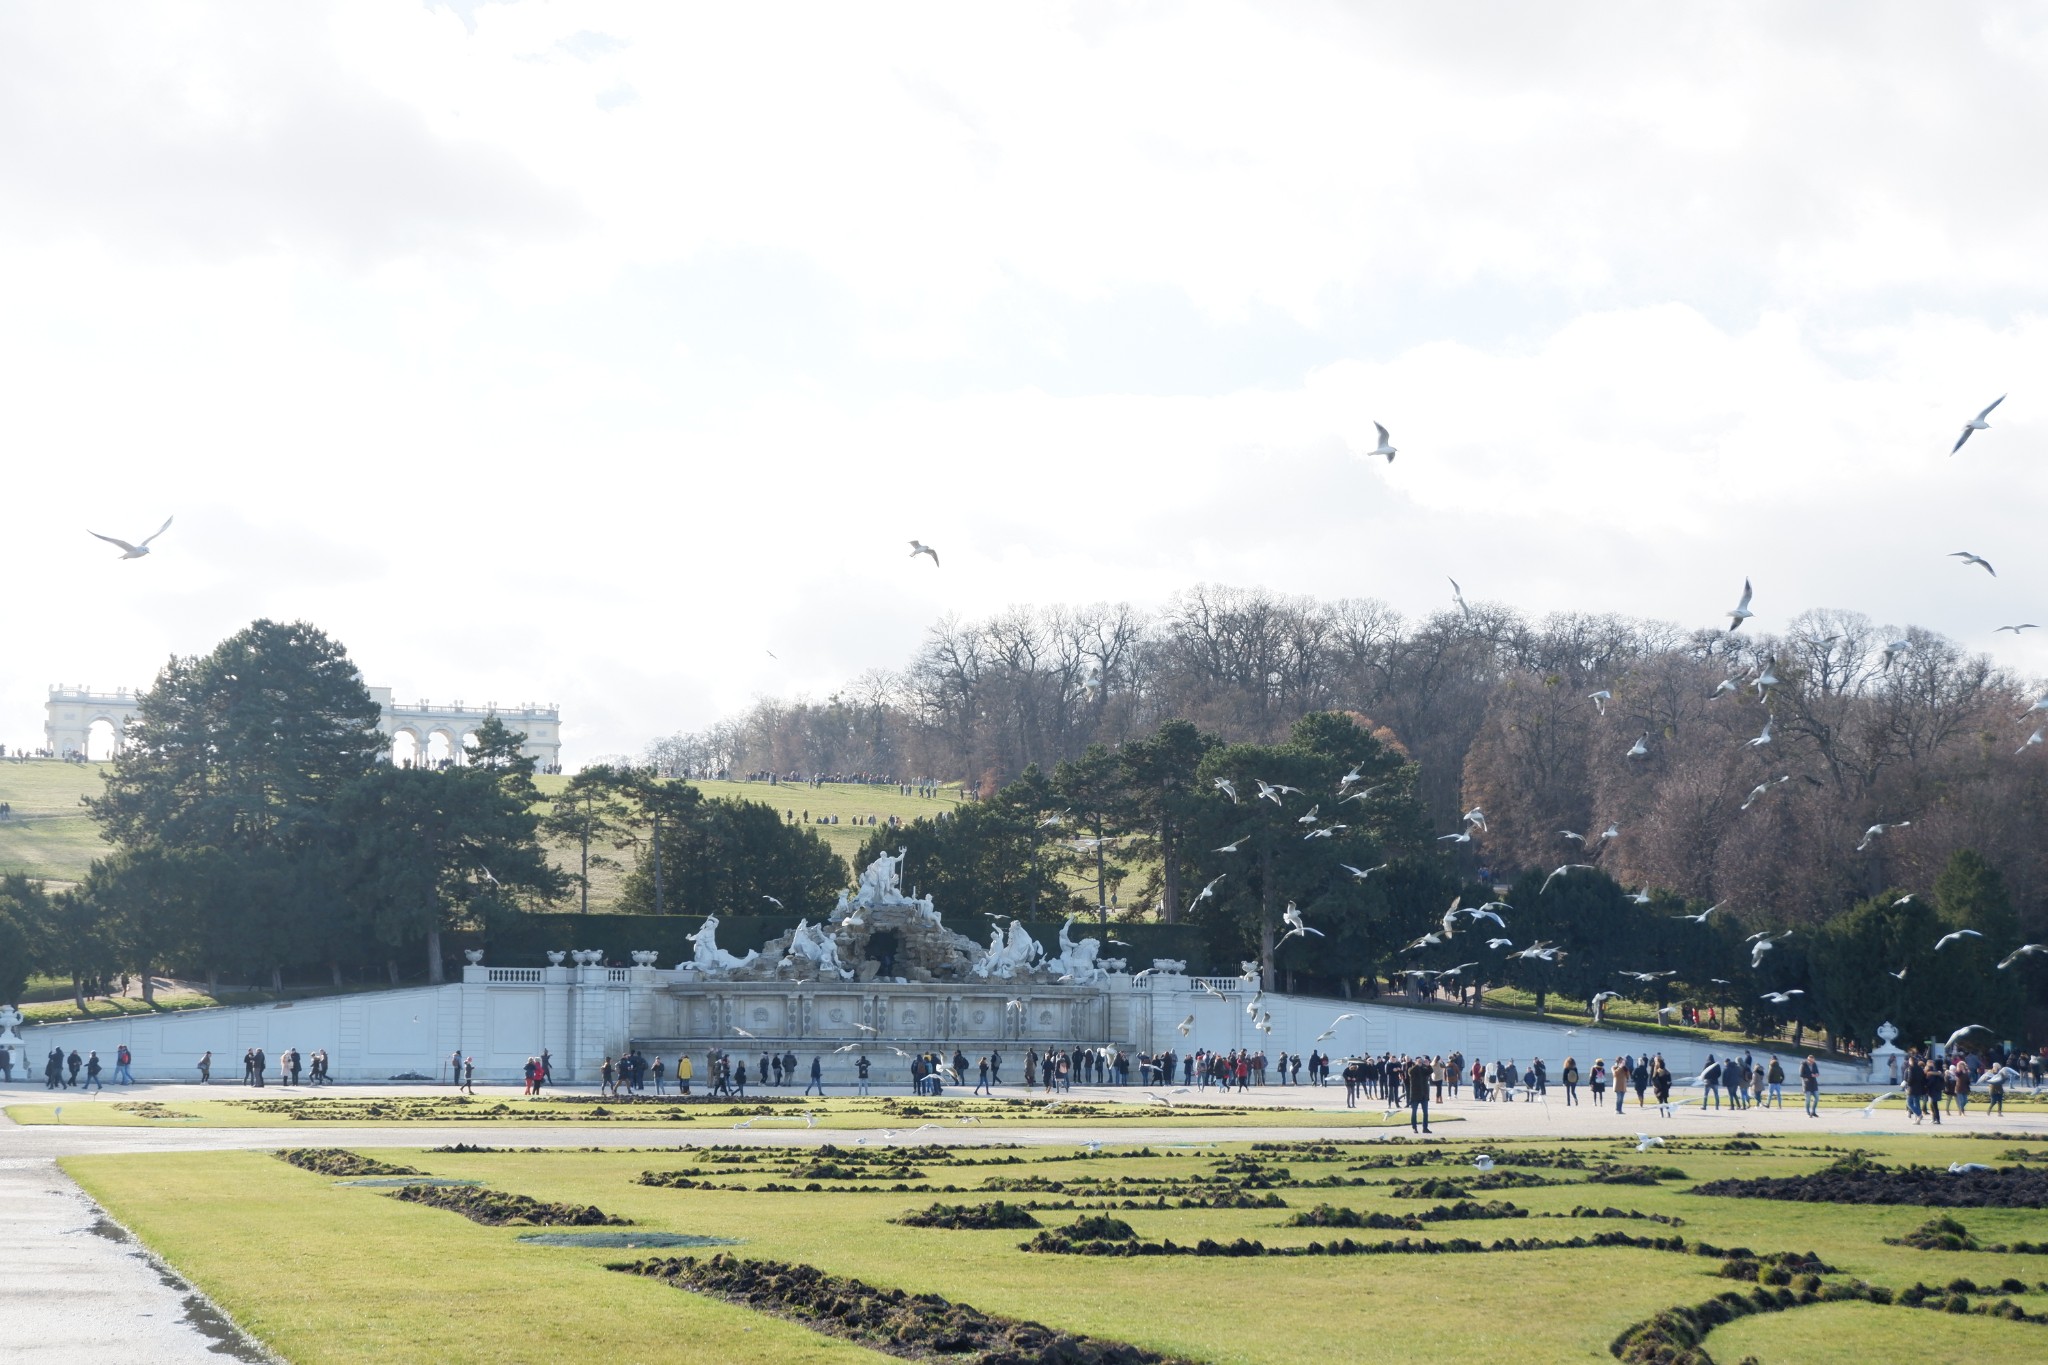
1473,824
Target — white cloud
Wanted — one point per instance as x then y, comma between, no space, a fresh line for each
528,389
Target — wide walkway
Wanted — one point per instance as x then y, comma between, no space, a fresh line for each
77,1290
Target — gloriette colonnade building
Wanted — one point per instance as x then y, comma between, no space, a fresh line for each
79,721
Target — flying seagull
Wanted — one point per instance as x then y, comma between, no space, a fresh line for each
1645,977
1499,943
2028,625
1233,846
1779,997
1893,649
1568,867
1361,795
1742,612
1292,918
2031,740
1767,679
1600,699
1758,949
1875,830
1326,832
1383,448
1460,838
1310,818
1226,786
2024,950
1726,685
772,901
1476,816
1361,873
1186,1026
1205,893
1957,1036
1976,423
1762,739
1458,594
133,551
1969,559
1332,1029
1701,917
1601,1000
1641,750
1273,791
1947,939
918,547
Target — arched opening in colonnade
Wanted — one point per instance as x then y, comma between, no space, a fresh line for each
405,749
440,748
102,740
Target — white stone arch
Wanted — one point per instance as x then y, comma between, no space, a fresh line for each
441,745
103,738
407,748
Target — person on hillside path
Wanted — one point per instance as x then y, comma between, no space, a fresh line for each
817,1078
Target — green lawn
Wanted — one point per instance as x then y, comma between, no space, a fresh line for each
929,1119
48,834
325,1272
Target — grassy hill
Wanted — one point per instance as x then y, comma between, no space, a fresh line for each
48,834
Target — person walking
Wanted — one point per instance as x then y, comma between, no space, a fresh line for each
122,1057
982,1086
468,1074
259,1064
206,1068
1660,1080
1597,1079
72,1063
1640,1078
1570,1077
92,1071
817,1078
1775,1078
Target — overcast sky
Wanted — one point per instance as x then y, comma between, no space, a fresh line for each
588,352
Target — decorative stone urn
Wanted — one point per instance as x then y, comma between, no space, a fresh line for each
555,958
473,956
644,959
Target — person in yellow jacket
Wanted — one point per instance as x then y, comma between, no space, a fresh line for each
683,1069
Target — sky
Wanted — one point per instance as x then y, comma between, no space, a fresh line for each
592,353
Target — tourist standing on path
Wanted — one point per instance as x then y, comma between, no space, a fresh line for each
258,1065
1661,1081
683,1076
1571,1081
1640,1077
122,1057
817,1078
53,1069
1598,1080
1418,1093
658,1070
860,1071
206,1068
455,1068
1776,1079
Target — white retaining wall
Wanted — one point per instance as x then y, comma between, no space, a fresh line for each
581,1015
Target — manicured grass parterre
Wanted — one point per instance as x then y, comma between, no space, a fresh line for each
328,1272
907,1114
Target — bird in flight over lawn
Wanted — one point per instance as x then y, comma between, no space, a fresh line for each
918,547
1976,423
1458,594
1742,612
133,551
2027,625
1969,559
1385,447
